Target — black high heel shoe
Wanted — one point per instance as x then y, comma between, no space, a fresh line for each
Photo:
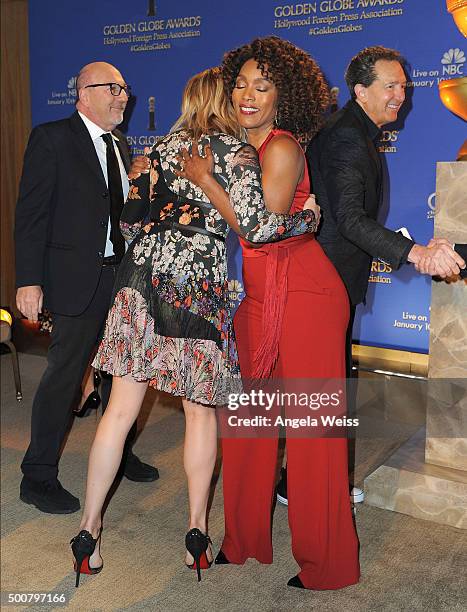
221,559
92,401
82,547
296,582
197,544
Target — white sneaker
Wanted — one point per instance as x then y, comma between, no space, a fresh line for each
356,495
282,488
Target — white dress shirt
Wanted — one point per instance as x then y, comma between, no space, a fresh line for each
101,149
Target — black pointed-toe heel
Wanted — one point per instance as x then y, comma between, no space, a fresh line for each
296,582
96,379
92,401
221,559
82,547
197,544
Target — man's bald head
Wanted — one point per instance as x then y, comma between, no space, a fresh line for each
95,99
92,73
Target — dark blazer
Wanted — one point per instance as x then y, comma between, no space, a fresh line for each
462,250
345,171
62,214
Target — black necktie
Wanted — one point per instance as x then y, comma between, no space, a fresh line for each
114,181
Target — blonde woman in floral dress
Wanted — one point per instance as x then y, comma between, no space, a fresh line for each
169,325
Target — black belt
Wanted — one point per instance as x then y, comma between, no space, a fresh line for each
189,228
111,260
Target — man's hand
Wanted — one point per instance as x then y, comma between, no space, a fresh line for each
438,258
140,165
311,204
195,168
29,301
426,266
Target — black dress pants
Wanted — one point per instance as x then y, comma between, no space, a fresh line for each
73,340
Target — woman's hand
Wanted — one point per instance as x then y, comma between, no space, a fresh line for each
311,204
196,168
139,165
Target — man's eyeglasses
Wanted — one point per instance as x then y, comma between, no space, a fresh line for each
115,88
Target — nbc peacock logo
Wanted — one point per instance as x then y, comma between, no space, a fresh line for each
72,86
235,289
453,61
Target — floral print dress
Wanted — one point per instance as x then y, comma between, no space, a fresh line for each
169,322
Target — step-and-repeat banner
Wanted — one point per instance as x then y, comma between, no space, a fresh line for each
159,44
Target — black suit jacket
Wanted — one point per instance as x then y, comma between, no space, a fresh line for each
345,171
62,214
462,250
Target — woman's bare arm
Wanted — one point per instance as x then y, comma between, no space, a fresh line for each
282,169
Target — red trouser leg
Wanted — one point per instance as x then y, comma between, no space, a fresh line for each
324,541
249,465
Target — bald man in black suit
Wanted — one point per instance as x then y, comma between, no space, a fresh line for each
68,247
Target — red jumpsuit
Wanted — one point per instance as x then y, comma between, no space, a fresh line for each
311,344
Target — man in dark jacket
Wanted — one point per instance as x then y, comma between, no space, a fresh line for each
347,176
346,172
68,247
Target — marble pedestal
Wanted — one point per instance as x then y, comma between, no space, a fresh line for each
406,483
427,477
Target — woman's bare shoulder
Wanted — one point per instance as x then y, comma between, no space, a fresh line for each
284,142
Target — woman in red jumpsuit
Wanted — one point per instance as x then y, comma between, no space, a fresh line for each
291,325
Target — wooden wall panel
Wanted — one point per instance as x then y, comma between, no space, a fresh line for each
15,128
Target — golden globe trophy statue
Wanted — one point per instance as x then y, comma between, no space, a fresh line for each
458,10
152,114
151,8
453,92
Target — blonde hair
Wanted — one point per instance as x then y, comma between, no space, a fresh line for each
206,108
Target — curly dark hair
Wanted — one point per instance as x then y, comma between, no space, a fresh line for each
361,70
303,94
